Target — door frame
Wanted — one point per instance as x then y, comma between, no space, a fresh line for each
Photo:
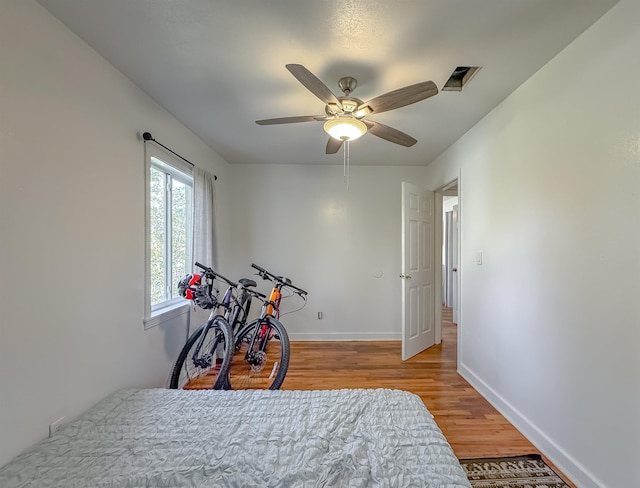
451,188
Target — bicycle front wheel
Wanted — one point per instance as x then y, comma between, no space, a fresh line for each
261,356
204,362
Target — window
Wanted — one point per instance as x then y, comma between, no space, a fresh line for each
169,217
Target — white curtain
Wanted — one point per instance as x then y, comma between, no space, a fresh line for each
204,234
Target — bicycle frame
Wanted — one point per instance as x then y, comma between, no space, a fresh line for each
270,309
205,361
230,313
242,304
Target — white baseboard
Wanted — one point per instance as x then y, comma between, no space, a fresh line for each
346,336
560,458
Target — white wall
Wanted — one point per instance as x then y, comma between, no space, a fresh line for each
342,246
72,227
550,192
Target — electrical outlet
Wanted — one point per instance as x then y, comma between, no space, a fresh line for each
55,425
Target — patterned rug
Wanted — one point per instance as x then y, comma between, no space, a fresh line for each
511,472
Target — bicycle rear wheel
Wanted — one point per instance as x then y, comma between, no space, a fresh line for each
204,369
261,356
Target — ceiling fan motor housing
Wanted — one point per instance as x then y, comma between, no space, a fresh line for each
349,105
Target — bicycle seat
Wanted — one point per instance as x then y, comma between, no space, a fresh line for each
246,282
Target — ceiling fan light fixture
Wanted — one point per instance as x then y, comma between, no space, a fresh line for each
345,128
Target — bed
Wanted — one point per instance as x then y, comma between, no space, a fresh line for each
175,438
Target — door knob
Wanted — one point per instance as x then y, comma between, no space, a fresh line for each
407,277
455,270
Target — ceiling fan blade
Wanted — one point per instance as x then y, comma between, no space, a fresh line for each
389,133
401,97
313,84
292,120
333,145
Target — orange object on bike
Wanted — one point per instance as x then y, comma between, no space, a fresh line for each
274,299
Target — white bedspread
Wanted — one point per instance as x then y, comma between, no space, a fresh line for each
175,438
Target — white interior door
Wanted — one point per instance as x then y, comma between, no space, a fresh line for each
418,271
448,259
455,265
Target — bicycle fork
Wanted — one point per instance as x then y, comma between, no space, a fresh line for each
204,361
256,355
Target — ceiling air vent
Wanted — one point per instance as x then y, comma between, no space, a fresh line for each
460,77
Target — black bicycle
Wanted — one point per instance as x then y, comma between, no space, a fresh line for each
261,352
205,359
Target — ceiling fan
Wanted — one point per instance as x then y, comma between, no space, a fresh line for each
345,116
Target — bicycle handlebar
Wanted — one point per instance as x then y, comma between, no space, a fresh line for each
278,279
210,271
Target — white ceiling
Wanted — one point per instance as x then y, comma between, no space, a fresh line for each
219,65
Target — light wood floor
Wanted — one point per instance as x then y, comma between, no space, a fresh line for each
472,426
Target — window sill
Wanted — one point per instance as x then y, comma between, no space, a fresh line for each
168,312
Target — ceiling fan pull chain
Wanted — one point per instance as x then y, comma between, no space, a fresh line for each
347,165
344,162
